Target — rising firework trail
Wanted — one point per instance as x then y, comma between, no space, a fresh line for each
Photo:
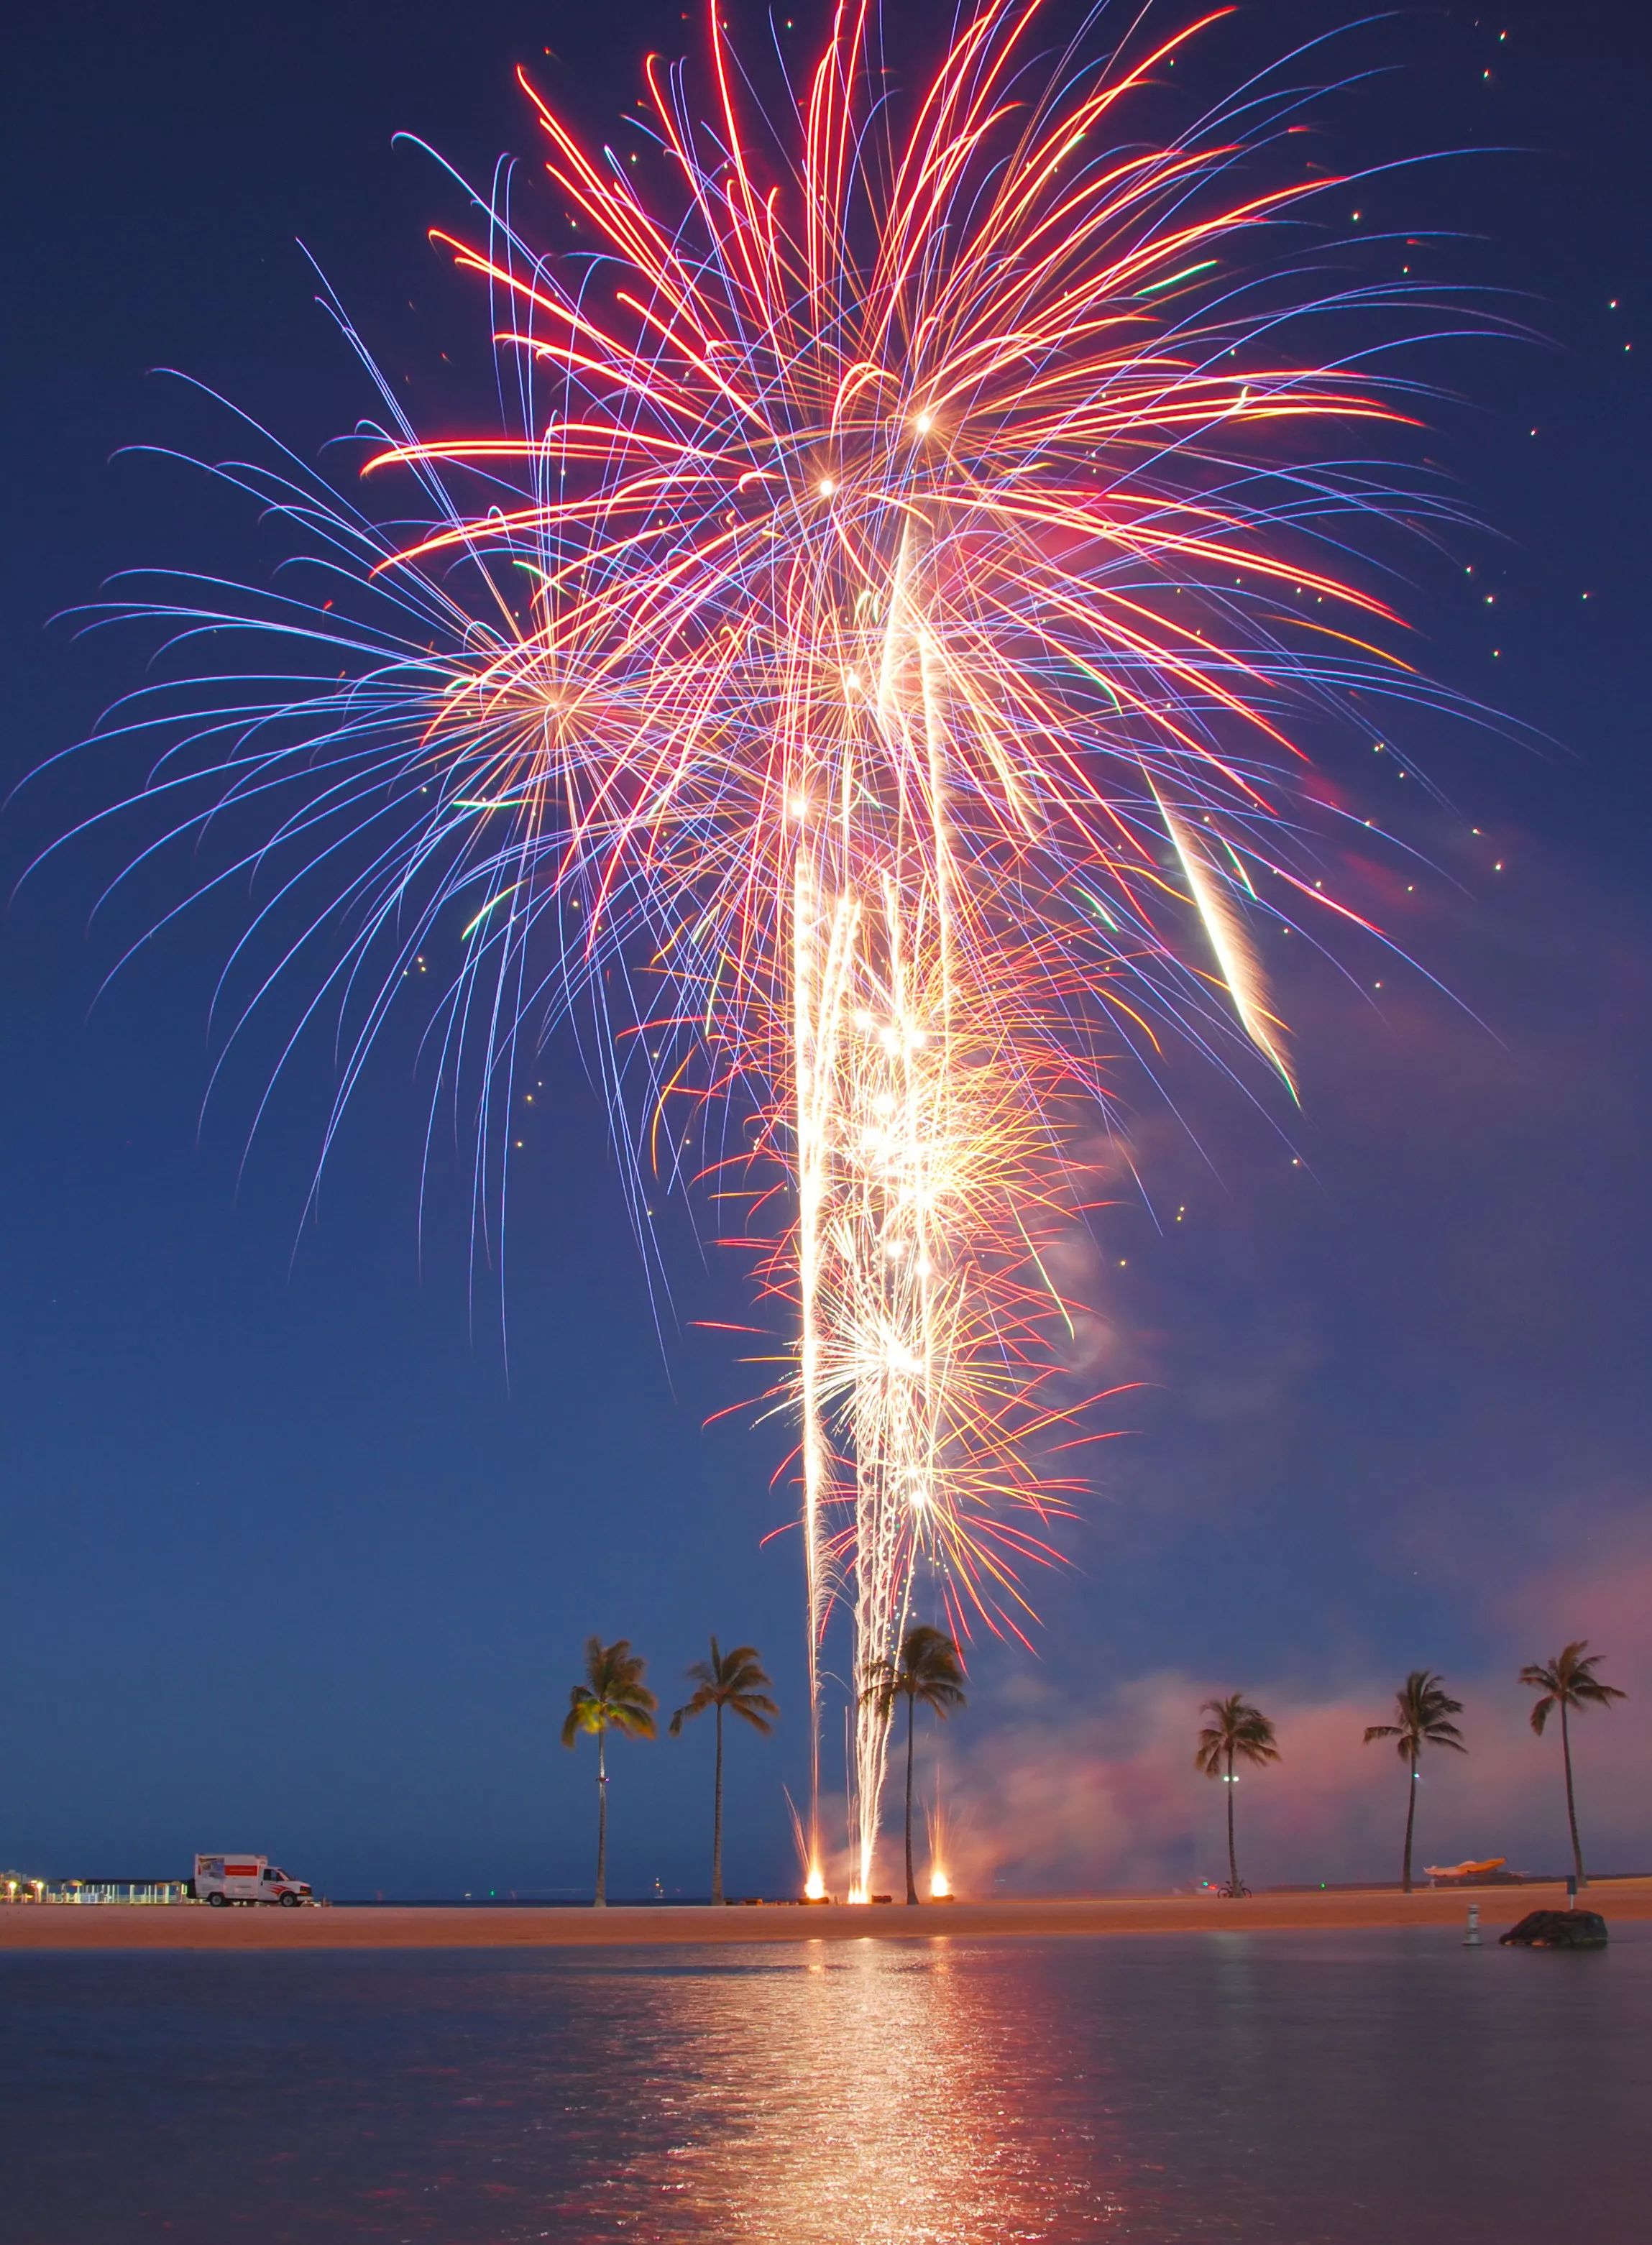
859,680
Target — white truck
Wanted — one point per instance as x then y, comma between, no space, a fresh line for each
224,1879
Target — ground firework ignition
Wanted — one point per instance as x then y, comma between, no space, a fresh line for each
861,673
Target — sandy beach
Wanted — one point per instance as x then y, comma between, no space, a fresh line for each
186,1925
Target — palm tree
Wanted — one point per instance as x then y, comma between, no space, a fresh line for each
1422,1708
734,1680
929,1669
1238,1730
613,1696
1569,1681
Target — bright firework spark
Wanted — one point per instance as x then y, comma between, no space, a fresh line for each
864,665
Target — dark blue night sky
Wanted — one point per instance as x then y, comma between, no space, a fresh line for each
289,1560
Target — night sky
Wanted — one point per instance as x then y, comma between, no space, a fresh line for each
292,1560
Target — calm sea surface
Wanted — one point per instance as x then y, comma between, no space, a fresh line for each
1383,2086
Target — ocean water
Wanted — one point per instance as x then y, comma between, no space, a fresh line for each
1377,2088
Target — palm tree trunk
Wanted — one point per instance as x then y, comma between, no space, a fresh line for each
601,1897
717,1822
1410,1819
1571,1805
1233,1860
912,1717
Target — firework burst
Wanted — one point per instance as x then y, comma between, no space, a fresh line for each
866,660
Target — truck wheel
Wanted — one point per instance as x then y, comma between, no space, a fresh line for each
215,1901
289,1901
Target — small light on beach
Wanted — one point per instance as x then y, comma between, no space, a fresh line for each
858,1894
940,1886
814,1886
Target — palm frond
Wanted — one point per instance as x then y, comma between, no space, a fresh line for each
1424,1708
735,1679
578,1717
928,1672
1240,1730
758,1709
613,1696
1568,1682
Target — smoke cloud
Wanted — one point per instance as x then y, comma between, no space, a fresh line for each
1038,1798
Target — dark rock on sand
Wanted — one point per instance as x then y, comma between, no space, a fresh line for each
1556,1929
